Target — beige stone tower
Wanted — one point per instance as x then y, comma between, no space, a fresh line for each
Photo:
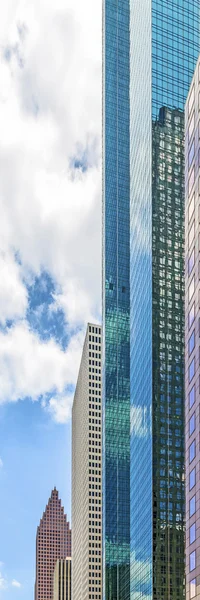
86,472
62,579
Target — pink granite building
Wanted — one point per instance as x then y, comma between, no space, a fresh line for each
192,336
53,542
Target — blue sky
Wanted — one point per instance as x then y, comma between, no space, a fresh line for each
50,256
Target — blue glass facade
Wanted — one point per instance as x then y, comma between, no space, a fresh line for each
116,303
164,46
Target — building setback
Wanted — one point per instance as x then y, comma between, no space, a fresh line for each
192,333
86,472
62,580
53,541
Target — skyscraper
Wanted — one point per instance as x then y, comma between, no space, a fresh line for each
150,49
192,333
62,580
164,45
116,301
53,541
86,472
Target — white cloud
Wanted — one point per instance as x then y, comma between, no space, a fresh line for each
16,583
51,216
3,584
13,294
31,367
1,463
60,408
50,113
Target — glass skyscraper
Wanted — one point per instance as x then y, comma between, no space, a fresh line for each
116,303
149,53
164,46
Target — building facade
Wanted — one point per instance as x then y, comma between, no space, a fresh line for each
164,46
150,48
116,302
53,541
86,472
192,333
62,580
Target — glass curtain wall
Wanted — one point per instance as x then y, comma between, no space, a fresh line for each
116,302
164,46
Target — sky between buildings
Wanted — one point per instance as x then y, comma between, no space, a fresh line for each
50,256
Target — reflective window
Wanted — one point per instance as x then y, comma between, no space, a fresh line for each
191,235
193,588
192,533
191,155
191,208
192,424
191,370
192,478
191,262
191,181
191,100
191,316
192,451
191,342
192,396
191,289
191,128
192,506
192,560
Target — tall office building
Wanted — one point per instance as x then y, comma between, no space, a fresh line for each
150,48
164,46
62,580
86,472
53,541
116,302
192,333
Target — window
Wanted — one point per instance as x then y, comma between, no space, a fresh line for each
192,424
191,343
191,208
191,128
191,316
192,397
191,100
191,370
191,289
192,560
192,478
192,451
191,262
192,533
192,506
191,155
191,181
192,588
191,235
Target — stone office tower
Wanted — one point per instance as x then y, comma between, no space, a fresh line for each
53,541
62,579
192,335
86,472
